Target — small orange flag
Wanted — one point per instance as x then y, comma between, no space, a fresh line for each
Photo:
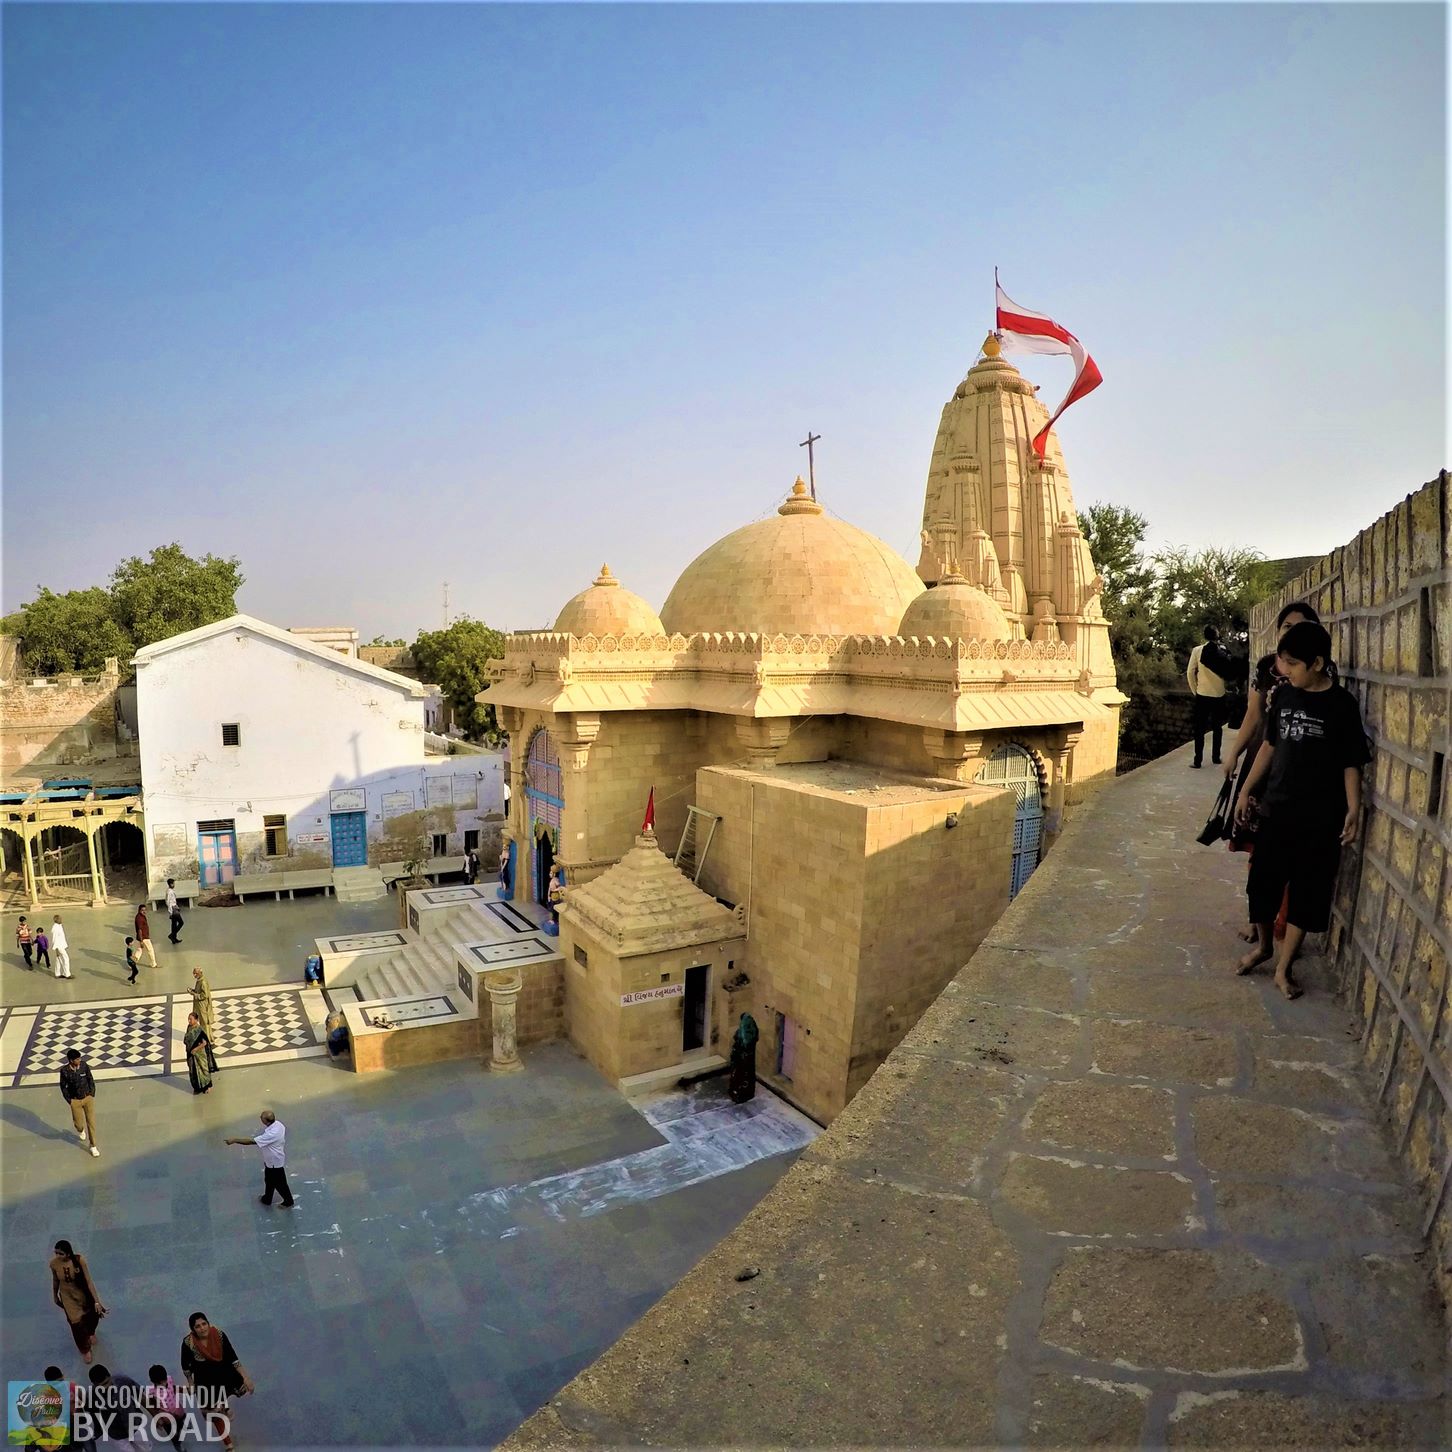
649,824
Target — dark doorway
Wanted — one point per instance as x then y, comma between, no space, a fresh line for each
693,1027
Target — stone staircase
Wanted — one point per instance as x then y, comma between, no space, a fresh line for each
423,965
358,884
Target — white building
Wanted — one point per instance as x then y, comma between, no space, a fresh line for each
263,750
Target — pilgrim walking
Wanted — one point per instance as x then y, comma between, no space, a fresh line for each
75,1293
173,911
60,948
78,1089
202,1007
201,1061
143,936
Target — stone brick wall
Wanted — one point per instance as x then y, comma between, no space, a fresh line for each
70,721
1387,600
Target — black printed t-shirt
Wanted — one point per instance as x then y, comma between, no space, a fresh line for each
1316,736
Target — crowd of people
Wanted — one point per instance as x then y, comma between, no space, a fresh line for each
1293,773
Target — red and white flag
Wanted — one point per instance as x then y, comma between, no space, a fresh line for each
649,824
1021,330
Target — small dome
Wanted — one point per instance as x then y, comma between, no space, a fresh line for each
607,609
955,610
800,572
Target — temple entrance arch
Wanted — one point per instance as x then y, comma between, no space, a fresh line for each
1014,769
61,864
121,854
14,881
544,795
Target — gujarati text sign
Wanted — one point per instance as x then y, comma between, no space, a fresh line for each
646,995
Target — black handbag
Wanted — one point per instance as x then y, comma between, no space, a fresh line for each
1218,824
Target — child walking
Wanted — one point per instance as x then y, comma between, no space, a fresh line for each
1310,764
42,948
131,962
24,937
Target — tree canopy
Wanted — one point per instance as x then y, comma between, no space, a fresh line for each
1158,606
454,660
147,600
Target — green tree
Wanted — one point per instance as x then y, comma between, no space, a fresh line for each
454,659
1116,541
73,632
170,592
147,600
1216,587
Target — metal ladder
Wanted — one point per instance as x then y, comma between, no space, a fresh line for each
691,854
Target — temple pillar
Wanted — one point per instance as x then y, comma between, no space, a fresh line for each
954,754
1062,744
98,890
576,734
504,988
30,892
761,739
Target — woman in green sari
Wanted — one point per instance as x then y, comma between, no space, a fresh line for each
202,1007
200,1063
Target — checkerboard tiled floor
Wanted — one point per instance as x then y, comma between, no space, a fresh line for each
388,1309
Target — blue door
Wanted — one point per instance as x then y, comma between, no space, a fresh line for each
350,839
217,857
545,794
1012,768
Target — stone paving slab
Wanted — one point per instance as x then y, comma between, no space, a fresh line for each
1170,1212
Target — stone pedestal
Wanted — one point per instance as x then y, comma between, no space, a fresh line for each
503,999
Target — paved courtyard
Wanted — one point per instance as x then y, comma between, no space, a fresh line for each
463,1243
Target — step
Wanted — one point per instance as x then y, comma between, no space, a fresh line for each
696,1065
380,981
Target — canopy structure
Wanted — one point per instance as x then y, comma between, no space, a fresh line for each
55,847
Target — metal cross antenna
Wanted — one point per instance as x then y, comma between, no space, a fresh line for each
806,444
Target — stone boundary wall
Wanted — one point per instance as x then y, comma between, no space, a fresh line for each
70,721
1387,600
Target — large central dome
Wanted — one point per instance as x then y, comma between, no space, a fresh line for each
798,573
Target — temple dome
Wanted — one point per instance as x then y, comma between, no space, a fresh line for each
607,609
800,572
955,610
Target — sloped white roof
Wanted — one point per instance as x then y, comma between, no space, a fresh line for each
296,643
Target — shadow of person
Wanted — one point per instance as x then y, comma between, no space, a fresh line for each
27,1119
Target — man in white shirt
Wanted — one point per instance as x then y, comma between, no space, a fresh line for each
271,1142
1206,673
173,911
59,952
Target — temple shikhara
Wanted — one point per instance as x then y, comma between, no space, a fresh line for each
855,763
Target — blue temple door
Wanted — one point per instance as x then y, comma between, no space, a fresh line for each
1012,768
544,794
350,839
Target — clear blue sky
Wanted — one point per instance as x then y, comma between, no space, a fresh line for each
378,297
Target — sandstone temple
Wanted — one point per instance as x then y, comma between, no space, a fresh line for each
854,764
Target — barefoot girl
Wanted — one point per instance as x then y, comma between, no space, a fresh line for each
1310,764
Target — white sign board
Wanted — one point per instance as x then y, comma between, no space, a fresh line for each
169,839
395,804
438,791
466,793
647,995
349,799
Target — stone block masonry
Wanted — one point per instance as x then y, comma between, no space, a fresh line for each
1103,1193
67,722
1387,600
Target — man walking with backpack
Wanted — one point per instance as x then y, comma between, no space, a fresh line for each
1210,666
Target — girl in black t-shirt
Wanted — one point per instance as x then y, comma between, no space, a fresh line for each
1264,683
1310,805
